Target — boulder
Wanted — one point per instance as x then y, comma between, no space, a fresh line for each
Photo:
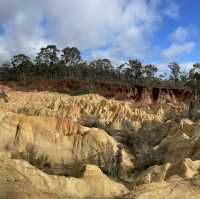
181,141
153,174
174,188
18,176
186,169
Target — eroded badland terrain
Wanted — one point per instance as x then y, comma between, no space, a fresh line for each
136,143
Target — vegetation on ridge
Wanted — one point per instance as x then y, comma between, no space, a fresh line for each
51,64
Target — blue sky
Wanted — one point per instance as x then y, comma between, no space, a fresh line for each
189,19
154,31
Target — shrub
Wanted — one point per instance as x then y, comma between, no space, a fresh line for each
109,161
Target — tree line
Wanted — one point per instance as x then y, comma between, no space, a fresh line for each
49,64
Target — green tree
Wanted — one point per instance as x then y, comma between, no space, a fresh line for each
102,64
184,76
47,56
119,72
101,68
71,56
135,68
5,71
195,72
150,70
194,76
22,65
21,60
175,71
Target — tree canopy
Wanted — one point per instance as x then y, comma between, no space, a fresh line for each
71,56
175,71
52,63
47,56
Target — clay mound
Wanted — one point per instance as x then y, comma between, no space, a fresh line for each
113,114
174,188
61,140
186,169
153,174
179,180
59,134
181,141
20,180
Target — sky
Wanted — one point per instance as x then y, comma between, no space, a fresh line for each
153,31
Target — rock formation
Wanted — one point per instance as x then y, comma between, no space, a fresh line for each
155,93
60,146
21,180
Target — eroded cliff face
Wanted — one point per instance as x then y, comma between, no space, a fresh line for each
64,142
55,145
137,94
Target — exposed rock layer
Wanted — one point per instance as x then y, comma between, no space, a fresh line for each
138,94
157,148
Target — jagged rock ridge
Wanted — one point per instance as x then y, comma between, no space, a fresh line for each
48,142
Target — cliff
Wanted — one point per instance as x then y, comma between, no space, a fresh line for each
63,140
150,94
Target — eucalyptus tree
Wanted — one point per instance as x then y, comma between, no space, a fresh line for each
46,61
120,72
47,56
184,76
6,71
150,70
133,69
175,71
22,65
136,68
71,56
194,73
194,77
102,69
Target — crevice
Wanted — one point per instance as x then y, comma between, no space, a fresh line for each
155,93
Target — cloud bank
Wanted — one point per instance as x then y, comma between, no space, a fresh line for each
176,50
117,29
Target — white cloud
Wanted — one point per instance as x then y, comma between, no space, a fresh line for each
93,24
164,69
186,66
177,49
23,33
181,43
8,9
181,34
5,55
122,28
172,10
